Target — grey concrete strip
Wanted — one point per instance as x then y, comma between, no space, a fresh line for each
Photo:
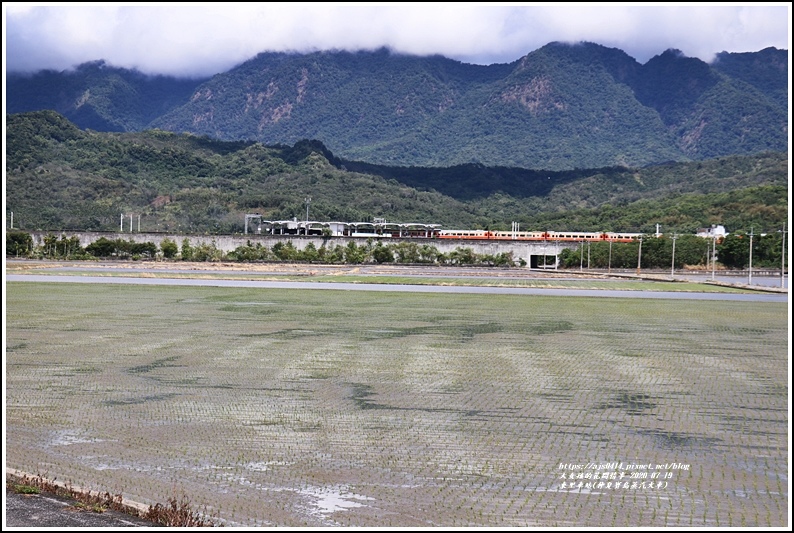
46,510
49,511
43,510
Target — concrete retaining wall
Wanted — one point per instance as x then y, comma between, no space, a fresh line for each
529,252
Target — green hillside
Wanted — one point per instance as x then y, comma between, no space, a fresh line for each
61,177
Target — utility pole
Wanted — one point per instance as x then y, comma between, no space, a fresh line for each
581,257
588,255
639,256
713,255
121,225
708,255
672,268
750,273
609,262
308,201
12,220
556,254
783,261
139,223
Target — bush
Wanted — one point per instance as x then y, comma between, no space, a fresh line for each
382,254
169,248
187,250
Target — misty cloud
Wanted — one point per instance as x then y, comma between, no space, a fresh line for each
200,40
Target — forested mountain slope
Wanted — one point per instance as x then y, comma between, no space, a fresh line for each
561,107
62,177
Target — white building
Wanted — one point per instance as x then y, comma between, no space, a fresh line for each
714,231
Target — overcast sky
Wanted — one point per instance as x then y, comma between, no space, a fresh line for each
204,39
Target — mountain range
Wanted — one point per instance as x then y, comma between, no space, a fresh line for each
561,107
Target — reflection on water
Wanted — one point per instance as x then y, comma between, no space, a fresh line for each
743,278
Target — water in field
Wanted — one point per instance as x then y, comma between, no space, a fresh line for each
295,408
744,278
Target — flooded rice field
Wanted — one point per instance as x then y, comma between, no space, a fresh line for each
271,407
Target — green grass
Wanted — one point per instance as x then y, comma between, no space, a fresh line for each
26,489
343,277
267,406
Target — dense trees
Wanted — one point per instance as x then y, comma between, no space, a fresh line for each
121,249
98,96
576,106
61,178
18,244
732,252
767,250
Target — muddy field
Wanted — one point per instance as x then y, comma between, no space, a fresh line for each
294,408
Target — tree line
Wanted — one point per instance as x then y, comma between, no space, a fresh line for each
678,251
20,245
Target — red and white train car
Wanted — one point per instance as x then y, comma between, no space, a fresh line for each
560,236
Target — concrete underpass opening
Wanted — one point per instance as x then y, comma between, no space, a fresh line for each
544,261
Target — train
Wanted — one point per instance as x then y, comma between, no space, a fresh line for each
556,236
379,228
